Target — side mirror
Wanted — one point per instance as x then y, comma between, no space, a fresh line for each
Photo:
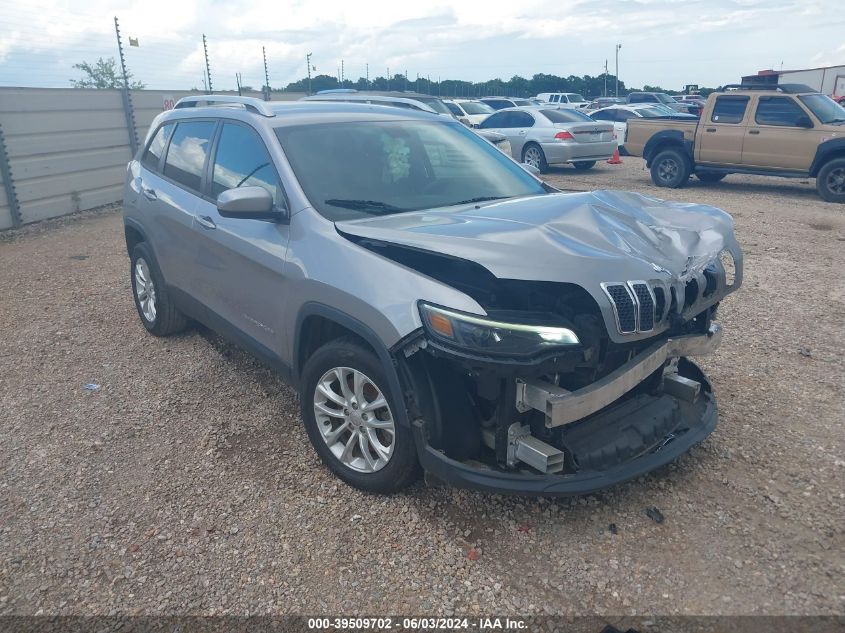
804,121
530,169
247,203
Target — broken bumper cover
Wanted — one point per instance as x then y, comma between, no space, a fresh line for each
617,442
564,407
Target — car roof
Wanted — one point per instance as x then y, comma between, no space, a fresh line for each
287,113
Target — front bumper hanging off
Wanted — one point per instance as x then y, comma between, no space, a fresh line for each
665,425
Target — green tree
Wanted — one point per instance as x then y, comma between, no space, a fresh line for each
103,74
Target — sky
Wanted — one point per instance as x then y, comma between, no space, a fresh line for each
669,43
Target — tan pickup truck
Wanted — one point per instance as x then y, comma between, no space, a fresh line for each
786,130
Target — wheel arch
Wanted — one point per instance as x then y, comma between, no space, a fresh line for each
318,323
827,151
666,139
134,234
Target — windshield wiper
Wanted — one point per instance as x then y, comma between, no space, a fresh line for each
365,205
478,199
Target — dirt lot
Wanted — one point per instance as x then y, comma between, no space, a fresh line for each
185,483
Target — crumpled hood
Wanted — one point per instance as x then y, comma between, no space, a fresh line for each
584,238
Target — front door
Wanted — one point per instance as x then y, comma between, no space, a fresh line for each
780,136
721,137
239,263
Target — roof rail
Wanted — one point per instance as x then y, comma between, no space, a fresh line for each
250,103
785,88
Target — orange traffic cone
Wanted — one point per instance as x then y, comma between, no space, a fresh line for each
615,160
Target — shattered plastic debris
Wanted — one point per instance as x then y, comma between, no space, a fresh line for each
92,386
805,351
654,514
613,529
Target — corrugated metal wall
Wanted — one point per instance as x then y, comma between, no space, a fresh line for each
68,148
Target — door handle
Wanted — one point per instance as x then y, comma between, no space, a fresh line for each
206,222
753,131
522,133
711,129
149,194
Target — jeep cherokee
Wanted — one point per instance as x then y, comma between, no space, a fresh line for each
436,305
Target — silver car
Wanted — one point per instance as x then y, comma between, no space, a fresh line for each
435,305
549,136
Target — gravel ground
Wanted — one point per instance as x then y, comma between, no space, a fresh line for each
185,483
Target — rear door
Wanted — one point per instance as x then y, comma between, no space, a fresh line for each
238,269
777,137
722,135
171,195
519,125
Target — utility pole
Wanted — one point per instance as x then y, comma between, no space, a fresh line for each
605,78
342,75
207,65
266,76
388,78
127,97
238,82
618,46
308,67
368,76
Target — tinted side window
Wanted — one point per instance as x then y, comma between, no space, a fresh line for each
499,119
520,119
634,98
187,152
624,115
454,109
778,111
604,115
555,99
498,104
156,147
729,109
242,161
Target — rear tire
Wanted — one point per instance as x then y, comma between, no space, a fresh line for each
670,168
710,177
155,307
583,165
830,181
533,155
363,444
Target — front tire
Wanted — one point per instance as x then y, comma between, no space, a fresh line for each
351,420
670,168
583,165
155,307
532,154
830,181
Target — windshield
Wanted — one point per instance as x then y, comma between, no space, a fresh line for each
521,102
664,98
576,98
663,109
473,107
352,170
435,104
565,116
825,108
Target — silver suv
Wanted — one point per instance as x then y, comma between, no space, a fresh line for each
436,305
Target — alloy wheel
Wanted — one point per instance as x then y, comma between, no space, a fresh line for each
145,289
533,157
836,181
667,170
354,419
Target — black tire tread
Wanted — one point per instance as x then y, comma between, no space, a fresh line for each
169,320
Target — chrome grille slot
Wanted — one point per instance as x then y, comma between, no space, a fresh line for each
645,302
624,306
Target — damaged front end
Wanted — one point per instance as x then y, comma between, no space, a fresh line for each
576,377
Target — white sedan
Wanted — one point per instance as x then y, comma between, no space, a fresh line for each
619,115
469,111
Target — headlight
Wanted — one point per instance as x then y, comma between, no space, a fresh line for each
488,336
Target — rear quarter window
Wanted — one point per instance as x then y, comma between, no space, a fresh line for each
156,148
